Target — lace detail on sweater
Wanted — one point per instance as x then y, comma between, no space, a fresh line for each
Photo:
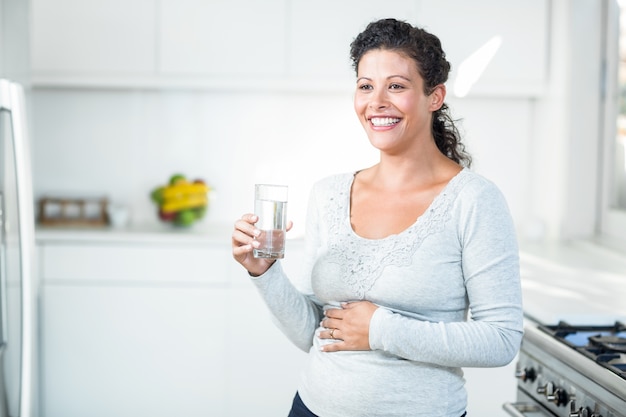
362,260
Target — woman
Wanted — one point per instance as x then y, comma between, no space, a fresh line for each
398,255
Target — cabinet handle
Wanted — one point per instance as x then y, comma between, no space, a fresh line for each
3,281
14,101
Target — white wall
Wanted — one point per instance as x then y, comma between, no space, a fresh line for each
122,144
563,174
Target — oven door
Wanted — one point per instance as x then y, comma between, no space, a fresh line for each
526,407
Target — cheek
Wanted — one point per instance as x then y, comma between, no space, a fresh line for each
407,104
359,106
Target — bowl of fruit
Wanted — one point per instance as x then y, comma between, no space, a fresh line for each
181,202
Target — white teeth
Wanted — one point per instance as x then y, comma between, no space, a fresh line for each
384,121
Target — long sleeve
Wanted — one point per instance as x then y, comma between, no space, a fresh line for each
295,314
294,307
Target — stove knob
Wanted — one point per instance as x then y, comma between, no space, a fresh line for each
547,389
526,374
558,396
581,412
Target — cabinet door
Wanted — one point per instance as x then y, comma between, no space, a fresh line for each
495,47
113,37
133,351
264,366
225,38
321,32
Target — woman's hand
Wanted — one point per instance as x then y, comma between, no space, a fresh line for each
349,325
243,243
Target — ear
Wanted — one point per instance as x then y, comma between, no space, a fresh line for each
437,97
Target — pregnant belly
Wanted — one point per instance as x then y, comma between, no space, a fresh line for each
377,383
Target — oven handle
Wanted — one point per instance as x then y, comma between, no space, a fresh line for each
519,409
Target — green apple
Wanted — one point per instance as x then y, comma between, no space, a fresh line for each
185,218
177,177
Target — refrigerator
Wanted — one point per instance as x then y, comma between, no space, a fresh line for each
17,257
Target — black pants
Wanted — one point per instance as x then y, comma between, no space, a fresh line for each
298,409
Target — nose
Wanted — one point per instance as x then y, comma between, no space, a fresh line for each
379,100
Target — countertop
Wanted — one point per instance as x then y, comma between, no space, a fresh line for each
579,282
204,233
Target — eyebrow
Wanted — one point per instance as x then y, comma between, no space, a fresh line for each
388,78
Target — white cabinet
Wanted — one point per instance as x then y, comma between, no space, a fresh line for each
133,328
320,34
499,48
276,45
222,38
78,37
133,350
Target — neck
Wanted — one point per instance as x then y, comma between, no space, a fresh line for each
401,172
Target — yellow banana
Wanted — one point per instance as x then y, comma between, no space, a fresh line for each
184,188
184,202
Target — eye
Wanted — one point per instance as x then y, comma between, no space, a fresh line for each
365,87
395,86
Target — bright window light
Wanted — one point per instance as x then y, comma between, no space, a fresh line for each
472,67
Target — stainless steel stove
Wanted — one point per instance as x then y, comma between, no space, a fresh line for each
571,371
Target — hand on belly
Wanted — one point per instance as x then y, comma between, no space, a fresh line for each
348,325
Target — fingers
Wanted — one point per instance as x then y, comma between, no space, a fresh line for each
338,343
243,243
333,333
244,229
246,223
331,323
348,325
334,313
335,347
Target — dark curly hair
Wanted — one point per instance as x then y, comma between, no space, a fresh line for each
425,49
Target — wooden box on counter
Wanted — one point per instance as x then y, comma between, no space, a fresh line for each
85,212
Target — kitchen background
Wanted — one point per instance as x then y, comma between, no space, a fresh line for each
124,93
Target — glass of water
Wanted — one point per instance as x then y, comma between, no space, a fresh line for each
270,205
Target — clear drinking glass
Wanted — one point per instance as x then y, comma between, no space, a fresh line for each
270,204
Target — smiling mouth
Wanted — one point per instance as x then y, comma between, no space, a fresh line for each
384,121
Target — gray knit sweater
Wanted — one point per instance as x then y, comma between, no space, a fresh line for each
448,288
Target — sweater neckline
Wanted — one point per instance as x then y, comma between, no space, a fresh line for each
443,195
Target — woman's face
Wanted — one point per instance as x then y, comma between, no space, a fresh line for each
390,101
